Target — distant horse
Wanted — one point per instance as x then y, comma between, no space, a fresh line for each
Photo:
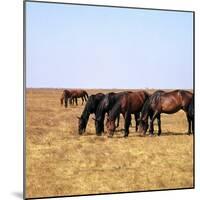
65,96
78,94
104,106
62,97
164,102
90,108
127,103
191,112
72,96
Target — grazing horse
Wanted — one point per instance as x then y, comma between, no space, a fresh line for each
128,103
78,94
65,96
164,102
62,97
104,106
90,108
72,96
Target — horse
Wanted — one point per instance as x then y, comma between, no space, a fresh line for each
191,112
127,103
72,96
62,97
104,106
78,94
65,96
164,102
90,108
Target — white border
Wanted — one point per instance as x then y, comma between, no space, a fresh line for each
11,101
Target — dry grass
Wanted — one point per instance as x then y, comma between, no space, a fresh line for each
60,162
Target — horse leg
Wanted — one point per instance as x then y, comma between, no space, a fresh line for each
189,124
118,117
152,118
76,101
159,124
127,123
136,121
151,127
66,101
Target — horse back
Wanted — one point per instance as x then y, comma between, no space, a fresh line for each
173,101
136,100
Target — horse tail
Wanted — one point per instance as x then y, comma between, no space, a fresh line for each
145,108
86,95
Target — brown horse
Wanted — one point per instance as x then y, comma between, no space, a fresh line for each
72,96
127,104
75,94
164,102
62,98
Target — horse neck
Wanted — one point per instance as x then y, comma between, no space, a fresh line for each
100,111
115,111
86,113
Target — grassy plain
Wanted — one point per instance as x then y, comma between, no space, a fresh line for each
60,162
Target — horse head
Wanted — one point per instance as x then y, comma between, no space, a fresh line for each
110,125
81,125
143,125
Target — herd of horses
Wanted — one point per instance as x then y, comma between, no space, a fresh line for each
145,108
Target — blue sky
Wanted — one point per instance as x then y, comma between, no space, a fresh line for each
71,46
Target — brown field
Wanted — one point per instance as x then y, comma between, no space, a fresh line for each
60,162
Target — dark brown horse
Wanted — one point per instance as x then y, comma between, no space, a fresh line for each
90,108
65,96
72,95
164,102
62,97
127,104
104,107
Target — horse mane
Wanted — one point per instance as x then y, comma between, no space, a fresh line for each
87,110
115,111
100,109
